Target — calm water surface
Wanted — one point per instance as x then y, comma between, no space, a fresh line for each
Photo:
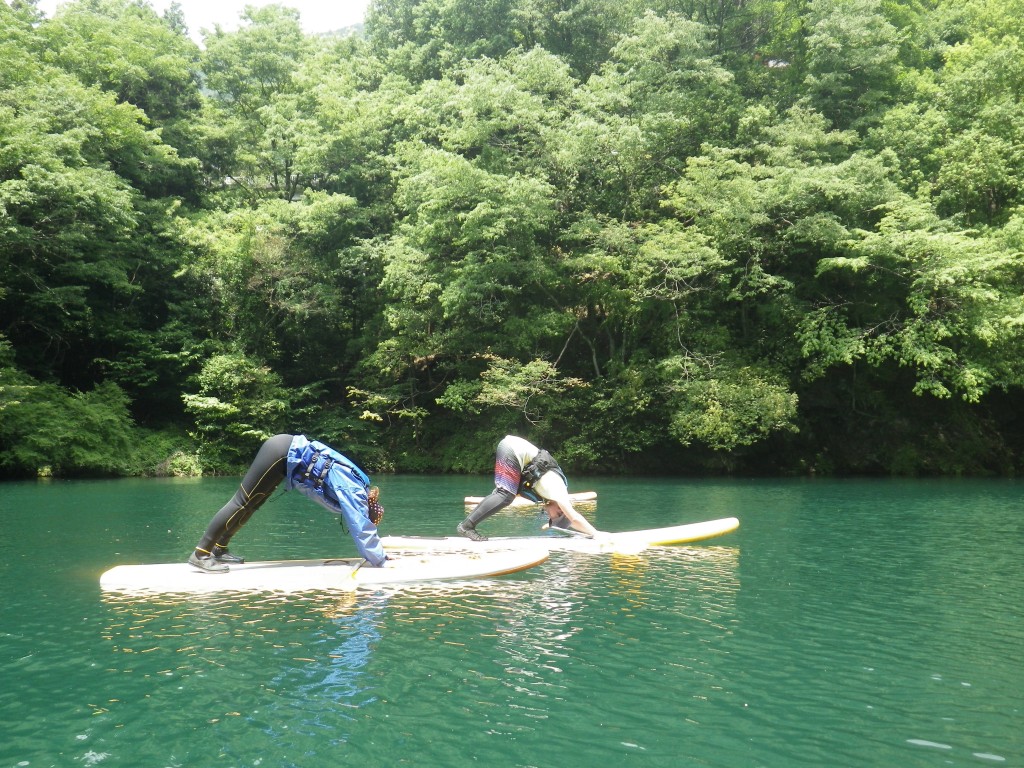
846,623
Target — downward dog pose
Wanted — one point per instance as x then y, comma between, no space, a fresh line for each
521,468
315,470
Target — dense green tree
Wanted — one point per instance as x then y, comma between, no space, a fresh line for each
68,247
123,47
286,283
421,39
256,127
950,309
765,235
662,95
88,242
579,31
238,404
424,39
852,59
46,430
357,109
463,260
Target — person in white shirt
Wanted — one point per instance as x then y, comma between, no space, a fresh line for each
521,468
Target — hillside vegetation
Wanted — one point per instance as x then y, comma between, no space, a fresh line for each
656,237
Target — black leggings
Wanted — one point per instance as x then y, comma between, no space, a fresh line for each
266,473
498,499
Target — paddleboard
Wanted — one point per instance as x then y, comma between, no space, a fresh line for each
623,542
583,497
333,574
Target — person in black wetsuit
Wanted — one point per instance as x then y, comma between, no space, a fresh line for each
315,470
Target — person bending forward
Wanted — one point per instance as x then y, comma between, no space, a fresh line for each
315,470
521,468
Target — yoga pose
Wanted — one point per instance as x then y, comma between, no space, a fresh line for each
312,468
521,468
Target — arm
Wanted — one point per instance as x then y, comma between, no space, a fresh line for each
352,501
576,520
553,488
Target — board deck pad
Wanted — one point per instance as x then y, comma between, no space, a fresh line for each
581,497
623,542
344,574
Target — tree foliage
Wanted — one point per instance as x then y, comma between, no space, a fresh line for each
758,236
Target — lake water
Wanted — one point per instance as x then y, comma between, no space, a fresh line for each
846,623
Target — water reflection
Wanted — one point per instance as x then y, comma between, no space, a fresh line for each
589,612
321,643
318,671
854,624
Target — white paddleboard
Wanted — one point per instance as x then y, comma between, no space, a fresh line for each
307,575
624,542
583,497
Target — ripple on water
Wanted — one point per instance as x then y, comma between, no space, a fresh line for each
854,624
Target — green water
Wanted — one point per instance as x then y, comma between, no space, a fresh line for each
846,623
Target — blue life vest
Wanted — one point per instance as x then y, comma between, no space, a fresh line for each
335,482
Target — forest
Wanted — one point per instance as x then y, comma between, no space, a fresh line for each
657,237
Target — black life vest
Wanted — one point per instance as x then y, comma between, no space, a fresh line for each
541,464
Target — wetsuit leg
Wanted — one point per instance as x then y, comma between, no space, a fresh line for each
495,502
266,473
507,474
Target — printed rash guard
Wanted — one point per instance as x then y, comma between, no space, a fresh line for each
516,450
335,482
